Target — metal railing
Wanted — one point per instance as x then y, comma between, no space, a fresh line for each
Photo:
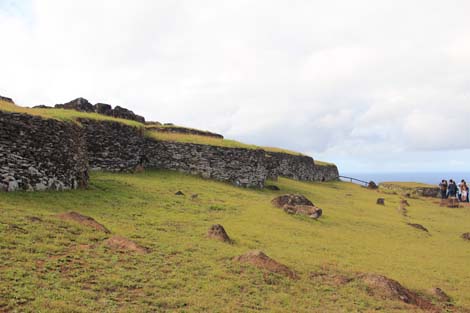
354,180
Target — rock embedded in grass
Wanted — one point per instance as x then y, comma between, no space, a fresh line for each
272,187
260,260
404,202
418,226
381,201
83,220
440,295
387,288
297,204
124,244
465,236
179,193
218,232
290,199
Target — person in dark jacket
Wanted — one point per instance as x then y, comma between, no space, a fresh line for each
452,189
443,185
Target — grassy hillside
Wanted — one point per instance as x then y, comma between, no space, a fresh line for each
62,114
50,265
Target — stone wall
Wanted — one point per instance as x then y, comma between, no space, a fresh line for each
408,191
242,167
113,146
40,154
327,172
297,167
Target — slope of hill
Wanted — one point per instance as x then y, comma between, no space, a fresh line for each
48,264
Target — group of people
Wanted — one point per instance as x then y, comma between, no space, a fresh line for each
452,190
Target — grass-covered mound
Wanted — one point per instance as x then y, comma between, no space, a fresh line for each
48,264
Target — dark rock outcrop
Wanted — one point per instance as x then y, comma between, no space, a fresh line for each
79,104
6,99
41,154
127,114
103,108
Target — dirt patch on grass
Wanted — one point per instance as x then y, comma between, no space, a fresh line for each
83,220
218,232
386,288
124,244
309,210
260,260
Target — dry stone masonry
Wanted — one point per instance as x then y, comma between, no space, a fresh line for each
40,154
47,154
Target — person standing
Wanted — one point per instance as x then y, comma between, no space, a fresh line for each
452,189
443,186
464,192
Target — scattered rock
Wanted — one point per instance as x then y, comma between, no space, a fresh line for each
466,236
381,201
440,295
124,244
290,199
262,261
309,210
179,193
83,220
418,226
403,210
194,196
272,187
33,219
387,288
218,232
372,185
331,278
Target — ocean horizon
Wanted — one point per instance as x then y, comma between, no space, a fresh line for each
433,178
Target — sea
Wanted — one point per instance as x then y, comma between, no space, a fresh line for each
432,178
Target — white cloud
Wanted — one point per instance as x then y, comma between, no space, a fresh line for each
358,82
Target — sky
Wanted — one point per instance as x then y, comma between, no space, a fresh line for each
372,85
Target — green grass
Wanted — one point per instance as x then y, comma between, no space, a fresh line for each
62,114
323,163
212,141
409,184
44,267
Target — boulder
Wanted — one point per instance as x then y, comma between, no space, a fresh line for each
79,104
218,232
381,201
179,193
103,108
297,204
290,199
124,113
260,260
372,185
